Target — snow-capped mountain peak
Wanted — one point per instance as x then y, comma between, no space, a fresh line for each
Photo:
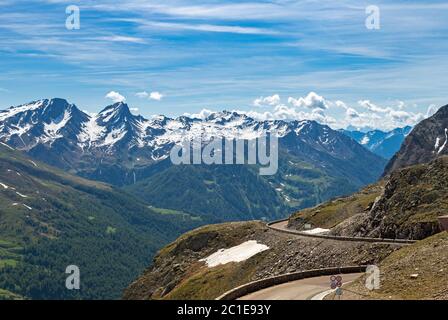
117,112
42,121
113,143
115,129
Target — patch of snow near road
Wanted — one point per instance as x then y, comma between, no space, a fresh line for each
28,207
238,253
316,231
4,185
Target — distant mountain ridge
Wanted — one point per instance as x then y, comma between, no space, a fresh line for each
382,143
123,149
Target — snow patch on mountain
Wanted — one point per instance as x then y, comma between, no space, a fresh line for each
446,140
436,146
238,253
91,132
13,111
316,231
114,136
19,131
365,140
51,129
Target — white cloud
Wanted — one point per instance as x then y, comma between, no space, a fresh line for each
312,100
116,38
115,97
203,114
267,101
351,113
399,115
142,94
205,27
432,109
341,104
384,118
326,112
372,107
155,95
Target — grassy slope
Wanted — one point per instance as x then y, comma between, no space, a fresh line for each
202,282
193,280
428,258
110,235
235,192
333,212
229,192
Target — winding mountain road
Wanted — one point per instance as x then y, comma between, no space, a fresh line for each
315,288
304,289
282,226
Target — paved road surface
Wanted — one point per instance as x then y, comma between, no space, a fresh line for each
283,226
298,290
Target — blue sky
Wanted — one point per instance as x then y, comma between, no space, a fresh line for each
273,59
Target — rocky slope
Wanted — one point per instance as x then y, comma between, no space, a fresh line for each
333,212
412,200
427,141
178,272
404,205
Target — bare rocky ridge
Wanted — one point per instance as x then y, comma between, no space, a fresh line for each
412,200
427,141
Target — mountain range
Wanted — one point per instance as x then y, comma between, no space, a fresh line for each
129,151
382,143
